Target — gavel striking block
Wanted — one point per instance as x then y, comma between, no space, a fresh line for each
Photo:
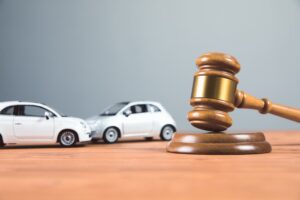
214,94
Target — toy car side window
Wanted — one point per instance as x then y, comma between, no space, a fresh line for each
141,108
8,110
34,111
153,108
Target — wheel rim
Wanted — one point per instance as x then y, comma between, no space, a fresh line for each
111,135
68,138
167,133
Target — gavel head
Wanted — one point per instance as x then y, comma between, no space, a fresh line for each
213,91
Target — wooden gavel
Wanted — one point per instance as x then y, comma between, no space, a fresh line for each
214,94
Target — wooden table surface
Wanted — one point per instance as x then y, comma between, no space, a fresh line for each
144,170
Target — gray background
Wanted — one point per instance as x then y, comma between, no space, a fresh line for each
81,56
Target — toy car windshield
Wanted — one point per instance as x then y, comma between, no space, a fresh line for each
113,110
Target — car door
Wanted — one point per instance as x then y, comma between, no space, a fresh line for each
157,117
31,123
6,124
137,120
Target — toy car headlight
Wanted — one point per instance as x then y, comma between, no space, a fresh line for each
83,125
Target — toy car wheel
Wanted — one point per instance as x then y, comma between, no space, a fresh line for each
67,139
111,135
148,138
167,133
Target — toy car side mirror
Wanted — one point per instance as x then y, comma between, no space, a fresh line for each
127,113
47,115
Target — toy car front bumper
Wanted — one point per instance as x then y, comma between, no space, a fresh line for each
86,137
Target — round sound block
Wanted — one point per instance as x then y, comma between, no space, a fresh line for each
219,143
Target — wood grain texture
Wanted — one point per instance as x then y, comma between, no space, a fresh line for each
144,170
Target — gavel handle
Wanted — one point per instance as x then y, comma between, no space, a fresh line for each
264,106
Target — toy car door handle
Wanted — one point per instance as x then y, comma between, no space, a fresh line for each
18,123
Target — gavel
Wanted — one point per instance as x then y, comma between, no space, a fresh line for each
215,93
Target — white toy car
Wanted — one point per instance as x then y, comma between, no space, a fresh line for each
130,119
34,123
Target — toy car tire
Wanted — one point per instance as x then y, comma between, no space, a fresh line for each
67,138
166,133
111,135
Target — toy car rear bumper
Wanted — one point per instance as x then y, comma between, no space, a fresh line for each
96,135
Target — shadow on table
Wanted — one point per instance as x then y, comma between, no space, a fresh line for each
127,141
54,146
100,142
